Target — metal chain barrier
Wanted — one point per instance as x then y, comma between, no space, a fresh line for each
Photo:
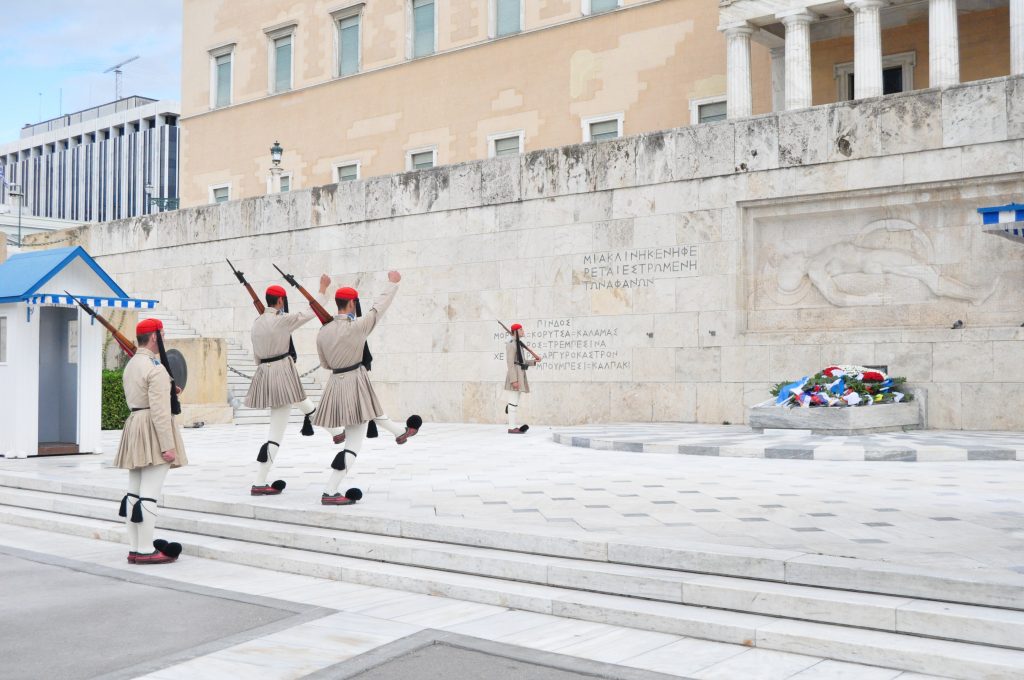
249,377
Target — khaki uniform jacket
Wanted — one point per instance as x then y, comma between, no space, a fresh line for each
516,373
349,398
152,430
277,383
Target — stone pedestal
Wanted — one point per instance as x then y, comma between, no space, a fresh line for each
853,420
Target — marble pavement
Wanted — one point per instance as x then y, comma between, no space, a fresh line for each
957,514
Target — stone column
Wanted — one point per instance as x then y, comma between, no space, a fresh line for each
943,44
739,101
1016,37
778,55
867,48
798,58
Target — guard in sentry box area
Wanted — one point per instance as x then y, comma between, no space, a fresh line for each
150,443
276,383
516,384
349,402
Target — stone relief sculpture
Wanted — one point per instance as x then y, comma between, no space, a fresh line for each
852,273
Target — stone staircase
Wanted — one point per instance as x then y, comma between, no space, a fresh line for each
935,621
241,366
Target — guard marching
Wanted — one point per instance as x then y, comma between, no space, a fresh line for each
516,383
150,444
349,401
276,383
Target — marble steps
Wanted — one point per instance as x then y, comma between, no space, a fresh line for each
982,625
901,651
985,588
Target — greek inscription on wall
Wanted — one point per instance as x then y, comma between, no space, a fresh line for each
586,349
634,268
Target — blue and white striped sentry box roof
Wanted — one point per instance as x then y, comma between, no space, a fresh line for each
1004,220
120,303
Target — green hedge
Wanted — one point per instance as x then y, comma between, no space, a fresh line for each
115,408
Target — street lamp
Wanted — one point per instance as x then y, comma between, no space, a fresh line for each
276,152
160,202
15,191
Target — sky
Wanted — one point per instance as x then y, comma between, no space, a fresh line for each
53,54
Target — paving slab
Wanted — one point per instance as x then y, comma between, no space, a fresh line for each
738,441
954,515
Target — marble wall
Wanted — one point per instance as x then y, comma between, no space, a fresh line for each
670,276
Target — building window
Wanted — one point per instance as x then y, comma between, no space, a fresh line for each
602,127
707,110
421,159
348,44
505,144
221,71
283,64
280,44
3,339
220,193
897,75
346,172
508,17
423,26
286,183
599,6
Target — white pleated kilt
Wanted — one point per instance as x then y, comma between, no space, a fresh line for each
275,384
140,446
348,399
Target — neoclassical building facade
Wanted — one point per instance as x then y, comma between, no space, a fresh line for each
352,90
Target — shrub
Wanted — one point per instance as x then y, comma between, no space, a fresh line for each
115,409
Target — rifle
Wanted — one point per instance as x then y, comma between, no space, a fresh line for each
318,309
260,308
127,345
535,355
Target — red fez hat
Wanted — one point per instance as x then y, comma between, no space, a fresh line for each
517,327
277,291
148,326
346,294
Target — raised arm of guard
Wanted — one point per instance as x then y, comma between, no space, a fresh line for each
127,345
260,308
318,309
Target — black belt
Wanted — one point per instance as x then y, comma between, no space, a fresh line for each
353,367
277,358
141,408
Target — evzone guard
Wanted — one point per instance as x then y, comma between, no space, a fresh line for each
412,423
516,384
276,384
349,402
150,443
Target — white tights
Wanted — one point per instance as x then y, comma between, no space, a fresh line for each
146,483
278,423
382,422
512,400
355,434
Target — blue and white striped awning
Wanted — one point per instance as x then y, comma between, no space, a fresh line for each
1004,220
92,301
